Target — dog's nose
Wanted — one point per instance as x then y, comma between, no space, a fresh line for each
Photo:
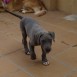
48,49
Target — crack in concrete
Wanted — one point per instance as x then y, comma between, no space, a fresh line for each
74,45
64,43
10,52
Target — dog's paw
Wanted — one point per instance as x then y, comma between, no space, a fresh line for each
23,11
27,53
33,57
45,63
40,13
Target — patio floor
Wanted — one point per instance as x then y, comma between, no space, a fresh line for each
63,57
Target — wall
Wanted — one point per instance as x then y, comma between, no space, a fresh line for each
75,7
50,4
0,3
67,6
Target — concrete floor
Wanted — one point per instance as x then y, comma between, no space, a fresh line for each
63,57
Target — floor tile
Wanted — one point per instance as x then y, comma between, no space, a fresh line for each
18,74
69,57
74,74
6,67
54,69
8,44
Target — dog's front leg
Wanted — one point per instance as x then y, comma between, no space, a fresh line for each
32,53
44,58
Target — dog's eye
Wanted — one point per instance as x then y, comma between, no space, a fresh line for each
50,40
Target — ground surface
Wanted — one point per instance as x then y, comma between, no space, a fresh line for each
63,58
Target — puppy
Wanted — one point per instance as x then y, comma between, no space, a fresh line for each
37,35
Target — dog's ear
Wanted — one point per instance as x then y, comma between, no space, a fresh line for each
52,34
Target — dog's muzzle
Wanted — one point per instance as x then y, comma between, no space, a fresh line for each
48,50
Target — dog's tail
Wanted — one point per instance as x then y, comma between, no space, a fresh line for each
19,16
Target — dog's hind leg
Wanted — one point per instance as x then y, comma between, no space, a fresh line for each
24,40
26,10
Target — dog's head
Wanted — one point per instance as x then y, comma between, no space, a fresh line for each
46,41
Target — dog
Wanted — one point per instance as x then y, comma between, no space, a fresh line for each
35,6
27,6
37,35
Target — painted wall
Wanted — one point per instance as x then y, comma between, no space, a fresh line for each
50,4
67,6
75,7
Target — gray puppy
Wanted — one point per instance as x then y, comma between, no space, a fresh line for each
37,35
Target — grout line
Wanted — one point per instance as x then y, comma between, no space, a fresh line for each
71,31
17,40
61,62
66,65
65,50
70,73
5,75
21,68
